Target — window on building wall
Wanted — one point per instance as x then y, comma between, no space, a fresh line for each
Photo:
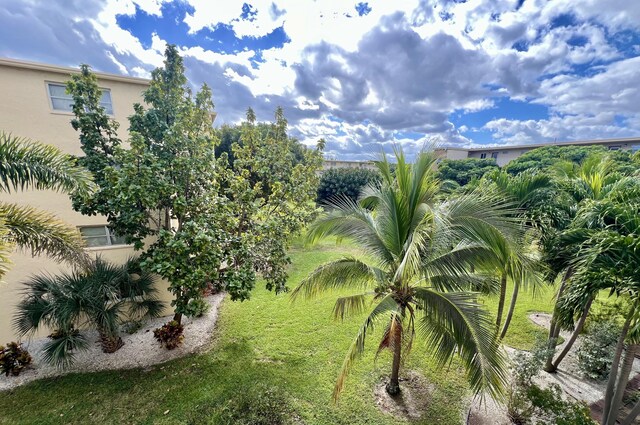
62,101
96,236
494,155
483,155
614,148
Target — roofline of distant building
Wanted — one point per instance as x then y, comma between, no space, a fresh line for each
539,145
348,161
15,63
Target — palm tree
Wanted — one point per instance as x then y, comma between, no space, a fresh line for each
519,262
24,165
102,298
610,259
592,180
419,253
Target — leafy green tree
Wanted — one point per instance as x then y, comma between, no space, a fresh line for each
545,157
417,270
348,182
27,165
200,219
100,297
462,171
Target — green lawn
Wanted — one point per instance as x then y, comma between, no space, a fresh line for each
268,340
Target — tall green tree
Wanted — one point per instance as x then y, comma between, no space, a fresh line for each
345,182
462,171
29,165
200,220
417,270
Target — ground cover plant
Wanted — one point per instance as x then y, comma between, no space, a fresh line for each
267,340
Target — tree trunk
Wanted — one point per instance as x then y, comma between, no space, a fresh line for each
393,387
574,336
625,371
611,382
503,294
554,329
631,417
512,306
110,343
178,318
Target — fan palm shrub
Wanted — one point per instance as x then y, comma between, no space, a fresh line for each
102,297
27,165
419,253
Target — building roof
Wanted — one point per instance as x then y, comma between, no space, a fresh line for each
15,63
539,145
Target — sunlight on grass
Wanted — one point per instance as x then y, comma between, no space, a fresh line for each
268,340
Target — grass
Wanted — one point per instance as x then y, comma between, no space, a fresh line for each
267,340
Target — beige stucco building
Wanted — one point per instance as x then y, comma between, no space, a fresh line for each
504,154
334,163
34,105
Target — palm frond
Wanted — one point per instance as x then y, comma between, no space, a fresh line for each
43,233
351,305
455,323
26,164
346,272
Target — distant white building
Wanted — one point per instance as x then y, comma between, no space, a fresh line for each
334,163
504,154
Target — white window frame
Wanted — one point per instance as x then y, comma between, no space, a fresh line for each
108,234
48,84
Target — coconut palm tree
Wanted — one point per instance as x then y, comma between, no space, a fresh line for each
417,269
101,297
25,165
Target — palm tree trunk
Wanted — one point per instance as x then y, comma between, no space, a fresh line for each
110,343
503,294
574,336
625,371
611,383
512,306
393,387
632,415
554,329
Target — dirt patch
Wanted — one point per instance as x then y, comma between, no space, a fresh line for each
487,412
413,400
140,349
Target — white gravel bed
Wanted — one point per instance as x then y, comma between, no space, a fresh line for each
140,349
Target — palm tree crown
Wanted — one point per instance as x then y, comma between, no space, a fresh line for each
419,253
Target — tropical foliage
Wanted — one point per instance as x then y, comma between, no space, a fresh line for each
28,165
201,219
417,269
101,297
463,171
340,182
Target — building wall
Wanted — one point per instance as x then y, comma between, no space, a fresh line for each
328,164
26,111
503,156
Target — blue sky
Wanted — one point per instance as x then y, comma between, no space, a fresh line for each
368,75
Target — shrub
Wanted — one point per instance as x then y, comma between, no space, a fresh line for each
169,334
197,307
344,182
257,405
552,409
100,297
596,352
14,358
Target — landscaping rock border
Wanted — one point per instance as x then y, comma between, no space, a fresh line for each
140,349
